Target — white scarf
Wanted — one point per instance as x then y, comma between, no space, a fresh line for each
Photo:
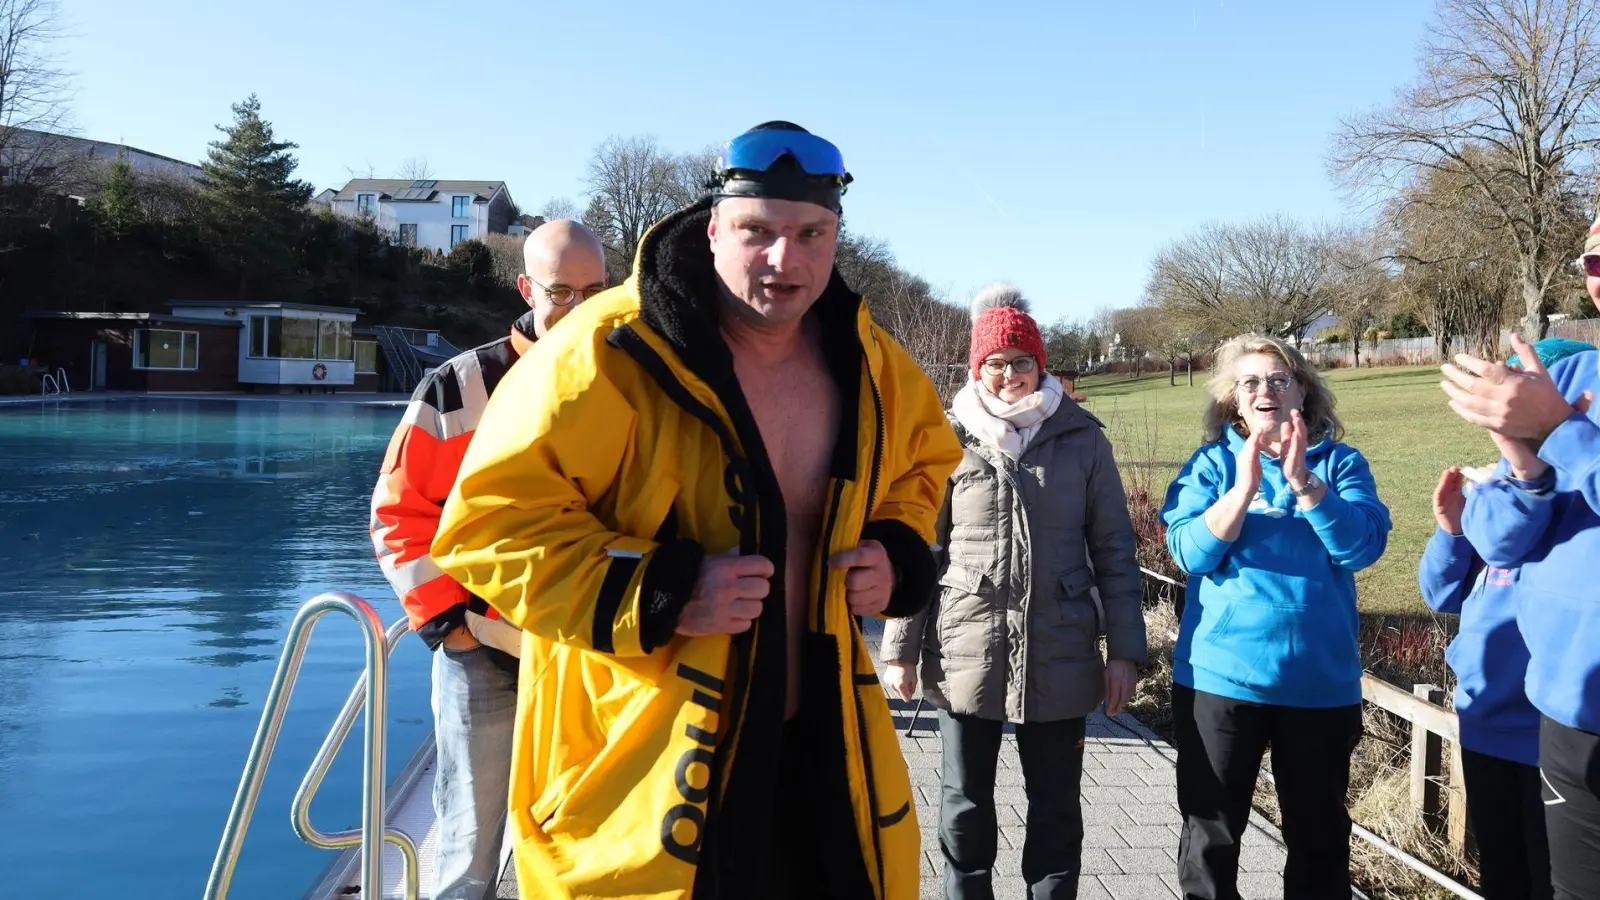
1007,427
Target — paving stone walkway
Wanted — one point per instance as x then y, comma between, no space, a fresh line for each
1130,815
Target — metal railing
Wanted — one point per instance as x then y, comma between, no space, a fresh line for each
404,367
54,383
374,687
323,761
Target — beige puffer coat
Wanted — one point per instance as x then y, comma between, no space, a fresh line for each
1038,564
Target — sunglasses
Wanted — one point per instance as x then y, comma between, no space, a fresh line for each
1589,264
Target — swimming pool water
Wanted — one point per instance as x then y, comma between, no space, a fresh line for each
153,554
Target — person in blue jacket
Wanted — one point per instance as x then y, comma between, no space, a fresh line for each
1499,727
1271,518
1538,516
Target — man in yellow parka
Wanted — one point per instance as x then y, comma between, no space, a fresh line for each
686,496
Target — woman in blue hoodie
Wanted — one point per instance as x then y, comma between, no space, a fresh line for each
1271,518
1499,727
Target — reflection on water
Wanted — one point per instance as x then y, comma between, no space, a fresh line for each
154,553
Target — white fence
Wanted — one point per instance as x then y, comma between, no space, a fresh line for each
1425,350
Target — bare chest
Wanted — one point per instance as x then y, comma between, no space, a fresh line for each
796,409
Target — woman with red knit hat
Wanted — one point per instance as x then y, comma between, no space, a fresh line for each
1038,563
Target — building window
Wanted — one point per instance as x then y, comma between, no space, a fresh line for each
366,204
366,357
158,348
265,338
408,235
333,340
459,207
458,233
273,337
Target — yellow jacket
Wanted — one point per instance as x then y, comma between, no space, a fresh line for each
614,456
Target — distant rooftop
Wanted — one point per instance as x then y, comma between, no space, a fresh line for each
404,189
255,304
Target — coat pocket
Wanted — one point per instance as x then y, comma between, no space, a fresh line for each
966,616
1078,588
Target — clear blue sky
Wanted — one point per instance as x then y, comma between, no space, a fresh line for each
1058,145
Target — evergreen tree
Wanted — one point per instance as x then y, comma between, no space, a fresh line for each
253,209
115,209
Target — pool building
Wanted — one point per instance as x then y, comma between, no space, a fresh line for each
232,346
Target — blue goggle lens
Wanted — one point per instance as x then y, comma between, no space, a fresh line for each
758,150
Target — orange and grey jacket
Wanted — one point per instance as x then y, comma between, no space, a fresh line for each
615,456
418,471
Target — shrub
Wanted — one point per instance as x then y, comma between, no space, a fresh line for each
472,259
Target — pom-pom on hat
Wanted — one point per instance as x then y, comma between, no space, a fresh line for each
1000,319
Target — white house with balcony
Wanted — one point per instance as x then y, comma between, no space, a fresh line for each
429,213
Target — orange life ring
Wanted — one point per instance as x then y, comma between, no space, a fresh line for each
319,371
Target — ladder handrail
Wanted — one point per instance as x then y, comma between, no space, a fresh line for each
48,386
266,739
300,811
62,384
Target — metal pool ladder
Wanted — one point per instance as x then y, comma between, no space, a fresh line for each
55,383
371,691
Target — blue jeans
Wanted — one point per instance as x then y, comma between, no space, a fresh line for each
474,708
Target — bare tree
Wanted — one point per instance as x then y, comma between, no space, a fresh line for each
1362,288
415,168
1268,276
1456,278
1517,80
1066,344
695,174
34,96
1170,337
935,334
558,208
506,252
633,183
866,265
597,216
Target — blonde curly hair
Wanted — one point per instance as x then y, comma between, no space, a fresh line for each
1223,409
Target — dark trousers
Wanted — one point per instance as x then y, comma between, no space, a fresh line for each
1569,760
1220,745
1052,765
1507,816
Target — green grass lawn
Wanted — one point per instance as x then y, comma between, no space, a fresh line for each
1397,418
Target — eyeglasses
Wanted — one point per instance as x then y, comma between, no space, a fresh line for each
561,295
1275,384
1589,264
1022,365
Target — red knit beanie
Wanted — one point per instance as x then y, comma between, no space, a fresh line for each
1000,319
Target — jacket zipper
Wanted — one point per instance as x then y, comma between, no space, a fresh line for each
856,638
877,447
1009,477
